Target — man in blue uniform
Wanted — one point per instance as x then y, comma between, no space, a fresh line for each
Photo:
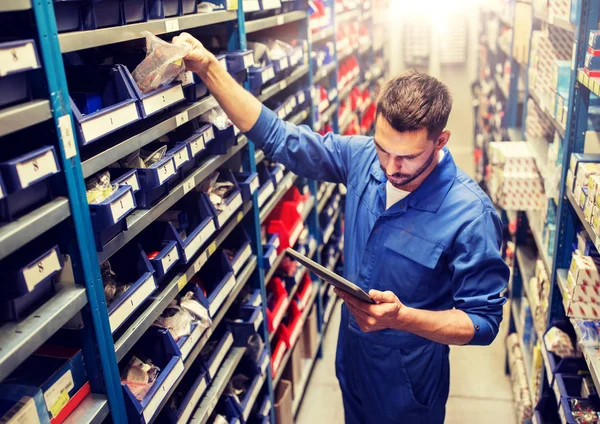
420,237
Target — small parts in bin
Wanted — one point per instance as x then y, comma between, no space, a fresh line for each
113,288
99,188
139,376
142,158
584,411
559,343
288,266
218,191
182,315
238,386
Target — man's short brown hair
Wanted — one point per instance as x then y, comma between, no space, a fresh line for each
414,101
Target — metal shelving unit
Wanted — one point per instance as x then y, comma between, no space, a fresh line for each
274,21
276,88
92,410
23,115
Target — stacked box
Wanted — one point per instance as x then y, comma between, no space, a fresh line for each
582,295
537,123
559,9
592,56
514,181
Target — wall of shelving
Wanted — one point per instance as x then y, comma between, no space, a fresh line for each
349,79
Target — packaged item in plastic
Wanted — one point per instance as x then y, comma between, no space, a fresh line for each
139,376
217,117
238,385
288,266
217,190
108,280
163,63
559,343
179,317
98,188
584,411
588,332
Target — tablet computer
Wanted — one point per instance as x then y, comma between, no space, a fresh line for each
331,277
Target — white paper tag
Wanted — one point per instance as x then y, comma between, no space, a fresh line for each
265,193
279,176
122,312
35,169
199,240
15,59
131,181
171,25
45,267
180,157
23,412
122,206
66,136
96,127
254,184
64,383
280,20
159,395
163,99
266,409
188,185
223,293
169,259
181,118
214,367
197,145
241,260
283,85
209,134
192,403
165,171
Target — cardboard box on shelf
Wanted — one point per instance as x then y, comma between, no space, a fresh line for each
580,293
293,370
309,341
283,403
584,271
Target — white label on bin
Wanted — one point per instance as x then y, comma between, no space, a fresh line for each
187,78
263,368
299,274
192,403
223,293
181,118
199,240
34,169
214,367
254,184
296,233
197,145
264,195
277,359
162,391
23,412
280,20
235,203
130,304
276,242
266,409
163,99
46,266
271,73
131,181
209,134
258,321
17,59
283,63
63,384
248,60
191,341
97,127
272,257
279,176
66,136
241,260
169,259
171,25
252,396
123,205
257,301
188,185
301,97
279,316
180,157
328,233
296,332
165,171
282,84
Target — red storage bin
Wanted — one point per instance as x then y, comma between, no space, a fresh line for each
286,222
291,331
293,195
304,292
280,304
278,351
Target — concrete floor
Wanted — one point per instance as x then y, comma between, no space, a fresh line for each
479,389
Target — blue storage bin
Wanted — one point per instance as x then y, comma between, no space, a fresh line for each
269,256
194,385
248,183
18,308
191,228
565,412
239,60
156,345
156,100
68,15
153,181
245,324
264,410
135,11
267,185
259,76
255,299
194,88
108,216
28,268
238,242
162,254
276,173
223,140
217,279
102,13
281,111
17,203
281,64
224,339
14,83
568,385
102,100
233,202
128,178
29,169
296,56
160,9
243,406
130,265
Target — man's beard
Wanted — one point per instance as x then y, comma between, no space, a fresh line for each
404,179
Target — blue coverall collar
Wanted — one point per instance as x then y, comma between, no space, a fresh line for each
432,192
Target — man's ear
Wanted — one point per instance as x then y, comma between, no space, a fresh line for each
442,140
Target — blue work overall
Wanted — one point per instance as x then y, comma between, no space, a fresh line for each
437,249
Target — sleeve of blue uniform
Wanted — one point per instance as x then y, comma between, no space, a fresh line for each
480,276
304,152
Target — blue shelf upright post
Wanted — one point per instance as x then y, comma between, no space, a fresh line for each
88,270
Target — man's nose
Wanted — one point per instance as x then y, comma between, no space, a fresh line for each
393,167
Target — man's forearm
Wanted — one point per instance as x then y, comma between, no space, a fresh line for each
453,327
240,106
